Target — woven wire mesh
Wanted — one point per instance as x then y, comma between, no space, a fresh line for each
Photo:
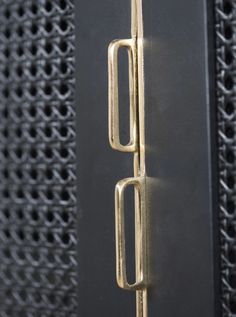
226,83
38,264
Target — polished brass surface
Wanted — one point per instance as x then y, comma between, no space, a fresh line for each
114,134
136,145
140,241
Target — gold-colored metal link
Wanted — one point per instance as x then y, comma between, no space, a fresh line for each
140,237
136,145
114,133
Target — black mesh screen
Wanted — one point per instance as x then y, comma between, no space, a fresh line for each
38,265
226,97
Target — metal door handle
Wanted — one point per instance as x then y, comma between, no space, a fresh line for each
113,91
140,234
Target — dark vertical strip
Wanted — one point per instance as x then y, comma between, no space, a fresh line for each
180,143
226,82
99,167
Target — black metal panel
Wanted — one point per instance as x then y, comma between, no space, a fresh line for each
38,225
180,144
100,167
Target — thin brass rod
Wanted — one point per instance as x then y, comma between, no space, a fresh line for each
139,157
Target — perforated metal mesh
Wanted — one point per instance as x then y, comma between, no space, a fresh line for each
226,85
38,265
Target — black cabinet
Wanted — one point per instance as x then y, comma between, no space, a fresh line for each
58,172
181,158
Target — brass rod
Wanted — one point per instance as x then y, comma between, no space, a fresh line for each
139,157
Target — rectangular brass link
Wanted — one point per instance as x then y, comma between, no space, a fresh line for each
113,91
140,238
136,145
